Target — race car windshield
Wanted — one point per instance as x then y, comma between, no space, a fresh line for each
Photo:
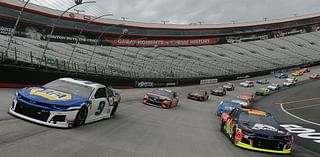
230,104
198,92
162,93
259,119
69,87
241,99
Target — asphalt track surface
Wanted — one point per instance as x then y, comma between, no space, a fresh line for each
190,130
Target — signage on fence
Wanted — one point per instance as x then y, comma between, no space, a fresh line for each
208,81
149,84
162,43
144,84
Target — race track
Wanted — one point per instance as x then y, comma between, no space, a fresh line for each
190,130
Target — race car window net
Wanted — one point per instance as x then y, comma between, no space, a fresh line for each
70,87
101,93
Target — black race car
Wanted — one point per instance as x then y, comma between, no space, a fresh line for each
256,130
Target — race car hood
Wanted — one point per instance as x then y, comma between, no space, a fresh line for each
262,129
50,96
158,96
241,102
195,94
217,90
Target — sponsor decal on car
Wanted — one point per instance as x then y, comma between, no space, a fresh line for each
50,94
264,127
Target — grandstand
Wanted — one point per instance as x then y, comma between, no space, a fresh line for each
222,58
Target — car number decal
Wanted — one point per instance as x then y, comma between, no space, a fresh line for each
101,106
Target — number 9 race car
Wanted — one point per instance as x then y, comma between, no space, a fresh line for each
64,103
256,130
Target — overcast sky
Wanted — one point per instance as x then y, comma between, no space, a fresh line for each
192,11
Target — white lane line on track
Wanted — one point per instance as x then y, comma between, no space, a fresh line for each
292,102
307,106
307,121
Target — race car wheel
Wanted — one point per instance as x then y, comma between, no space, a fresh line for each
81,117
221,126
233,139
114,110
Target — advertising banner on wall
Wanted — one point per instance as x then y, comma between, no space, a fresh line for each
150,84
208,81
162,43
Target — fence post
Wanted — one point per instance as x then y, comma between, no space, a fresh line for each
86,65
45,61
15,55
57,63
1,57
64,65
31,58
75,67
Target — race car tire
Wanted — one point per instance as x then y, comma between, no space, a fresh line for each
114,110
233,139
221,126
81,117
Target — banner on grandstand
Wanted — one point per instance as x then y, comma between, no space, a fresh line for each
162,43
208,81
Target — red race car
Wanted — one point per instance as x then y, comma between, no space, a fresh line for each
199,95
219,91
315,76
248,96
162,98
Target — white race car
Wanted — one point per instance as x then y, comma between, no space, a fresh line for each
290,82
274,86
247,84
64,103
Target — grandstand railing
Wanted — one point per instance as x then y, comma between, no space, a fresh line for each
171,62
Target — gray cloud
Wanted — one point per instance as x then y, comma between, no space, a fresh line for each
191,11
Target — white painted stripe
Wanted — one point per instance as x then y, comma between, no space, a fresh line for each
292,102
306,106
307,121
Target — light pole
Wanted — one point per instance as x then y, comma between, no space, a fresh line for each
98,39
16,25
78,11
165,21
124,18
78,2
124,53
80,33
108,57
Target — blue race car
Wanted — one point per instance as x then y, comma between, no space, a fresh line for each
64,103
262,81
281,75
227,106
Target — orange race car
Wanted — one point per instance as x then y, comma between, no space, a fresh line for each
163,98
248,96
304,70
297,73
